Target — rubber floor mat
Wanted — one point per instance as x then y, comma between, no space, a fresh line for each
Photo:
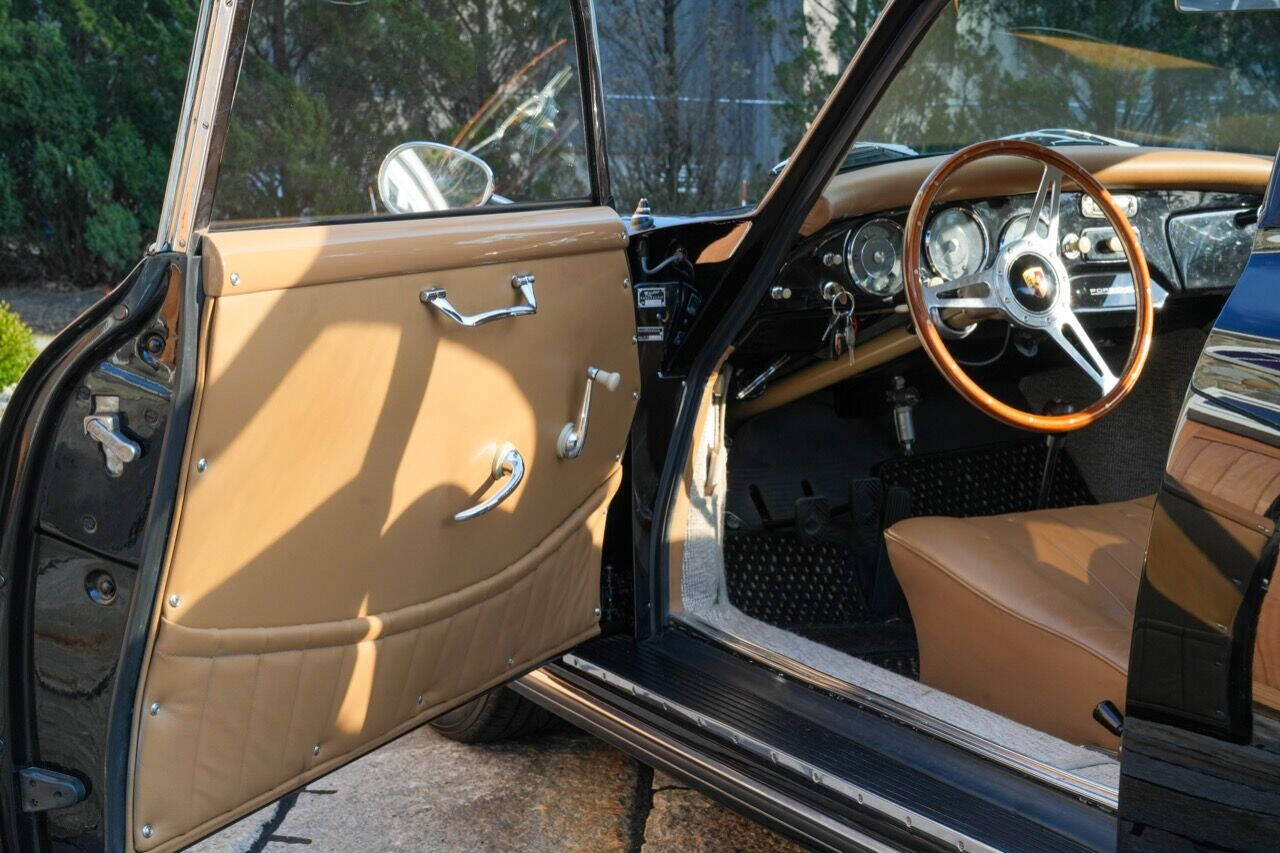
989,480
777,578
811,589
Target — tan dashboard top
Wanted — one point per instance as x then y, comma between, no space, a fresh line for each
887,186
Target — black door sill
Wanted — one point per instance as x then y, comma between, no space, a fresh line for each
881,774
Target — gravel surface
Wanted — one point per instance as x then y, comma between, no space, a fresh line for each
558,791
46,310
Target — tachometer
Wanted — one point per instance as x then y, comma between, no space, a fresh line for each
955,243
1017,225
874,255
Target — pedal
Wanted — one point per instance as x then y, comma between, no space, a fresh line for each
813,516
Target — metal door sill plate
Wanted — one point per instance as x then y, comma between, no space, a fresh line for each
1086,790
824,778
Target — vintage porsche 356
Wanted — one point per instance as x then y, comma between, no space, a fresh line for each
924,495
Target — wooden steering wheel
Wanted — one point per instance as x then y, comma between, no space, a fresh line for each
1027,284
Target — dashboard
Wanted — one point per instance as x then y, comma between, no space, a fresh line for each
1195,241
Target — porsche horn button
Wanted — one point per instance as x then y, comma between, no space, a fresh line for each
1035,279
1033,283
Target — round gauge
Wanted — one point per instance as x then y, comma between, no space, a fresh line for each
955,243
1014,227
874,255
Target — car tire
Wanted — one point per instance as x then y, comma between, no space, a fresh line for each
499,715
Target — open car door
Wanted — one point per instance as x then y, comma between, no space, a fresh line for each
316,472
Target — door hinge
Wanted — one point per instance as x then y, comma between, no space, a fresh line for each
44,790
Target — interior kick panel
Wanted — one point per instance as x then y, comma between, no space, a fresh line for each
319,597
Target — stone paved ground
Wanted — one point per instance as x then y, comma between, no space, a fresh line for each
558,791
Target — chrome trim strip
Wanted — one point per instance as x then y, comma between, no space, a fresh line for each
1087,790
540,684
184,123
911,820
588,38
199,111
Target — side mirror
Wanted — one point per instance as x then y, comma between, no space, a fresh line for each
420,177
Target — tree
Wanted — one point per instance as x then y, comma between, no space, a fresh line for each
89,97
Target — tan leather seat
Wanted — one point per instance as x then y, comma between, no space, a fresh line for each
1027,614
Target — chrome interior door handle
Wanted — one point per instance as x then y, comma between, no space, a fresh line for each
437,298
507,463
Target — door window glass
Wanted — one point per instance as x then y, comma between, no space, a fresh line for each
329,88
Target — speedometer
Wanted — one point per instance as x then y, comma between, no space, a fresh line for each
955,243
874,255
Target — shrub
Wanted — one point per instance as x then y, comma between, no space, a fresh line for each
17,345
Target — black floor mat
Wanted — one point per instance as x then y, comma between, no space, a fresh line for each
812,589
991,480
779,579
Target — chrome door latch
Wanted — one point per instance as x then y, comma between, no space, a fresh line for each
103,426
574,435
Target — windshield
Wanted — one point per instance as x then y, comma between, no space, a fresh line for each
1090,72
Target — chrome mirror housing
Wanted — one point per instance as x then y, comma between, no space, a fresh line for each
422,177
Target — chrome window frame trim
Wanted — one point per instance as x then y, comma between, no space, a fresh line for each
212,76
1087,790
205,108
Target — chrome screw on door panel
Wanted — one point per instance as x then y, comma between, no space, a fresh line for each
437,298
507,463
574,435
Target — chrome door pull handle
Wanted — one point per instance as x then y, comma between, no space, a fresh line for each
506,463
438,298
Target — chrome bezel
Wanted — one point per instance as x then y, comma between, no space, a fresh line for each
1008,223
852,269
982,230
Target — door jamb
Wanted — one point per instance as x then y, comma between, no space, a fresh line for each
895,34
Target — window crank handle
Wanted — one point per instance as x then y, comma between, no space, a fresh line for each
574,435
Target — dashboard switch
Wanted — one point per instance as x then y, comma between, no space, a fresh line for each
1075,245
1106,245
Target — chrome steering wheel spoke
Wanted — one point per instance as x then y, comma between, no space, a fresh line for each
1080,347
1046,206
973,292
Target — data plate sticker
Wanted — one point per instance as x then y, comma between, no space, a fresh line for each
648,333
651,297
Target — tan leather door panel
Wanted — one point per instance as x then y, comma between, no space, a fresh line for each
318,598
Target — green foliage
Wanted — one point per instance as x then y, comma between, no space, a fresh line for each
89,97
17,346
